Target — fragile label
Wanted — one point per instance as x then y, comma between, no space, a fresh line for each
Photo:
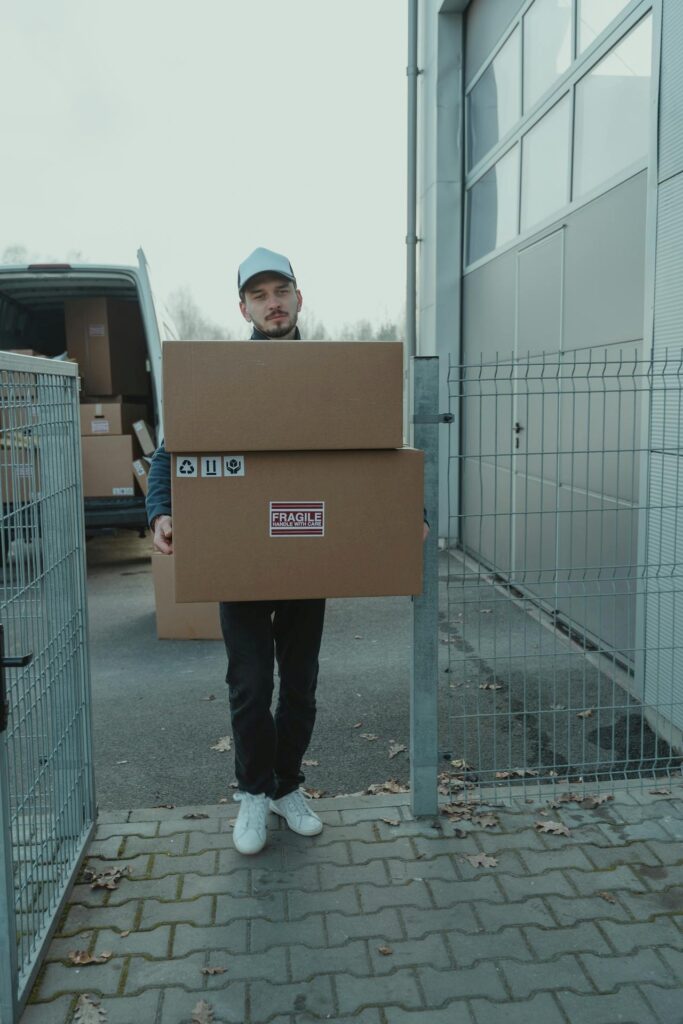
297,519
186,465
233,465
100,426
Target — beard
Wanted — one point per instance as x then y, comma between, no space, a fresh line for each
277,329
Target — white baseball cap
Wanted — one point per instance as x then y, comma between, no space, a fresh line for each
262,261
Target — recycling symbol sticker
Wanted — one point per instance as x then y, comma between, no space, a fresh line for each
186,465
233,465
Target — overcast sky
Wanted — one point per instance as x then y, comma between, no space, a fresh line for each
202,130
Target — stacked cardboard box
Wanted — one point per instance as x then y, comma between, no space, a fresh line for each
289,477
106,337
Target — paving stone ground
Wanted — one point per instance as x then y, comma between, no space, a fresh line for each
382,919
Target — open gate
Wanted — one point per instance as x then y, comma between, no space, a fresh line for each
47,804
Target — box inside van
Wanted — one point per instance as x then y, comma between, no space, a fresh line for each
43,307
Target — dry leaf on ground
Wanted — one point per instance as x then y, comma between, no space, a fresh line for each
358,637
213,970
358,725
89,1011
107,879
164,807
122,762
458,812
369,736
223,744
314,794
588,713
516,773
590,802
202,1013
310,763
390,786
81,957
124,935
660,792
212,696
490,686
385,950
464,766
195,815
396,748
481,860
555,828
485,820
608,897
391,821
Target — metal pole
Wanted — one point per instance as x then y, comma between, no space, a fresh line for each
424,751
9,966
412,72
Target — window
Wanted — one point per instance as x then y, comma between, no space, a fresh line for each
545,165
547,46
612,119
494,102
492,207
594,16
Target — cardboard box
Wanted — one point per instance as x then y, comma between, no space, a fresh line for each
180,621
141,474
109,416
145,436
19,472
106,337
282,395
108,466
18,407
284,525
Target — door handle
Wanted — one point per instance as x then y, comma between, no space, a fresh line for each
18,661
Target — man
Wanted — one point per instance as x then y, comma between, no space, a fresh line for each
268,749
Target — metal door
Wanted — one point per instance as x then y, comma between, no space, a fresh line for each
47,803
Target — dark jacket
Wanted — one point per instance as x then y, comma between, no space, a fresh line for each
158,500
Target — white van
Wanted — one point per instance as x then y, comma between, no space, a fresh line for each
32,317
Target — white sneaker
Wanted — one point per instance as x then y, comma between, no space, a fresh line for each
249,833
296,811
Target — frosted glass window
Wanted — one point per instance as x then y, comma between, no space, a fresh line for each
613,111
494,102
545,165
595,16
492,206
547,46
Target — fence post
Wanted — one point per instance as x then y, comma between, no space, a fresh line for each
424,676
9,966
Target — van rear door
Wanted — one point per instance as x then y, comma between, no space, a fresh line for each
159,327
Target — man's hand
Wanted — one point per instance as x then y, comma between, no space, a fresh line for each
425,532
163,534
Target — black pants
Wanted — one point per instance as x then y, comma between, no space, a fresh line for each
269,749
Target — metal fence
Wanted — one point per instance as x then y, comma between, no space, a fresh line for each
46,772
560,632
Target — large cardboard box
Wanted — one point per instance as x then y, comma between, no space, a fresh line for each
180,621
282,395
19,471
284,525
106,337
109,416
108,466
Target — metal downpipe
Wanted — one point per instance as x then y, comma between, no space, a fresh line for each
412,71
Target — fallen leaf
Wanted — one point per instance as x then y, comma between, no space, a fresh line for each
391,821
390,786
370,736
485,611
462,765
122,762
357,725
212,696
516,773
357,637
314,794
660,792
224,800
491,686
89,1011
222,745
555,828
481,860
589,803
310,763
485,820
166,807
396,748
124,935
385,950
109,878
81,957
588,713
195,815
558,707
202,1013
607,897
214,970
457,812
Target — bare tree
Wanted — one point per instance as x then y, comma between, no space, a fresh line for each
190,321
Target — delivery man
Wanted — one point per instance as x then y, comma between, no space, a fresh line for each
268,748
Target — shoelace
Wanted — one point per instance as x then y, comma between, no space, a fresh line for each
255,808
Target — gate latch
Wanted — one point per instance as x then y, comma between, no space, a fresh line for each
440,417
19,661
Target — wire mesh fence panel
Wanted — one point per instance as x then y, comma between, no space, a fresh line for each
46,780
559,629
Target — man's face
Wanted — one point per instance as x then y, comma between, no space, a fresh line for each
272,304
